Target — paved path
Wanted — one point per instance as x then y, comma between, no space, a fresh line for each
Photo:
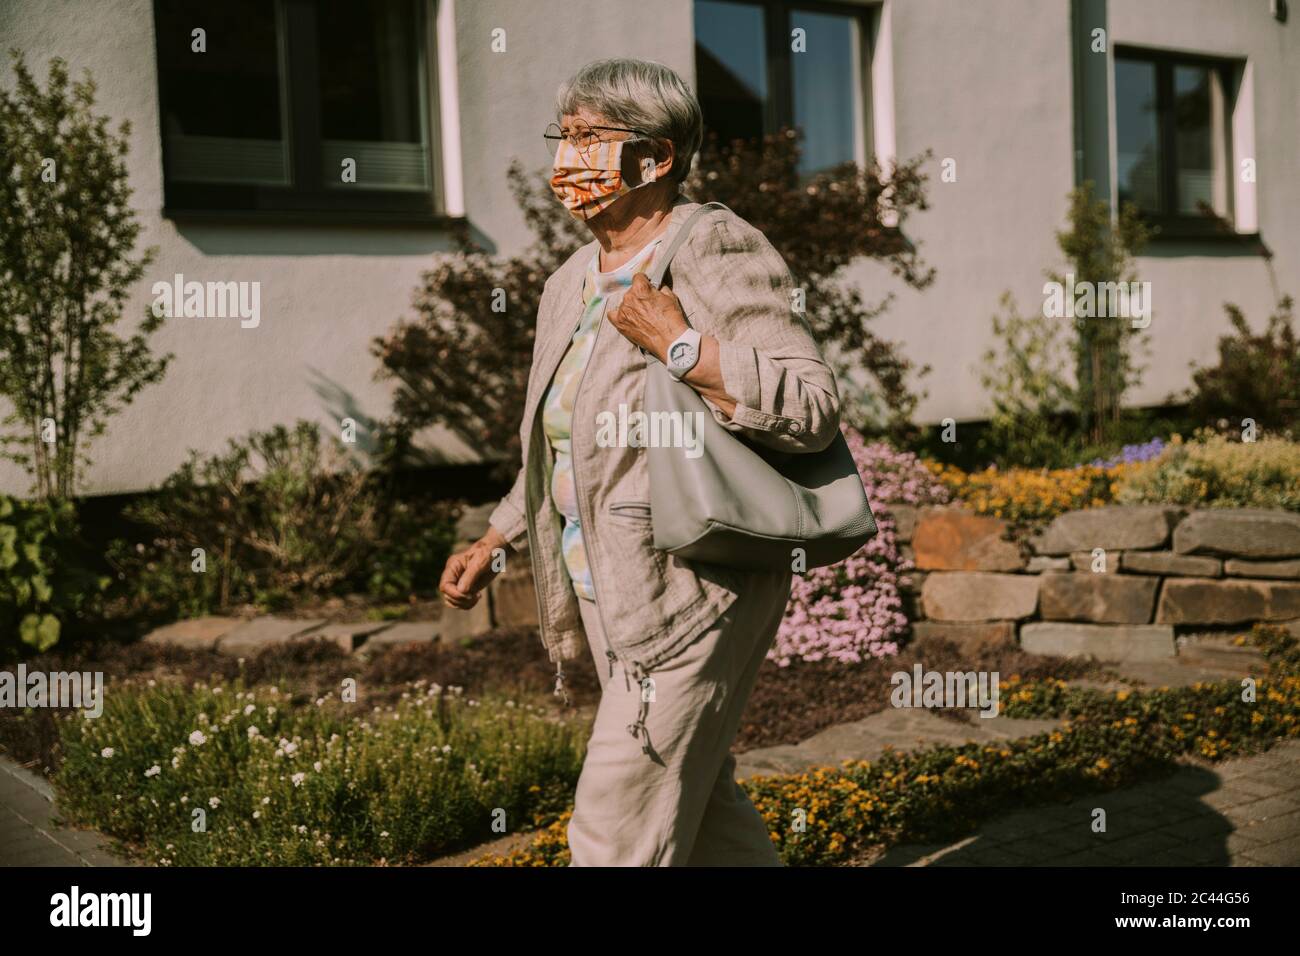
29,836
1243,812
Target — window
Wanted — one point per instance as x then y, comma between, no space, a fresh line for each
1174,138
314,108
753,80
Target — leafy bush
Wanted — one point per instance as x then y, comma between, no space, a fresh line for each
1108,740
1214,471
1258,376
853,610
280,516
285,786
44,583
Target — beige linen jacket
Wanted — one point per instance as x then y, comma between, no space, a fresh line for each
732,285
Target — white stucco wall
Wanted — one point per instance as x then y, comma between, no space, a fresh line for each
987,84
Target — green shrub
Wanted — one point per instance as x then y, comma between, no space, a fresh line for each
43,584
280,516
1213,471
1257,377
286,786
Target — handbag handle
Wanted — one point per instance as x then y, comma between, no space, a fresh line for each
663,259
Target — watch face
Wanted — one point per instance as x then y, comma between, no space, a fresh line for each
682,353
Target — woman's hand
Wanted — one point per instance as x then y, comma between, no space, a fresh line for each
468,572
648,317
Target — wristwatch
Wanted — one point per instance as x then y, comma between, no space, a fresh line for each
683,353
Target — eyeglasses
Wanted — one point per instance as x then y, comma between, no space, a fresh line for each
584,137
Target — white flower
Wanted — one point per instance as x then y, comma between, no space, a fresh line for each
216,690
265,801
257,814
253,731
214,802
107,752
197,738
176,762
317,765
384,833
298,778
153,771
203,718
249,708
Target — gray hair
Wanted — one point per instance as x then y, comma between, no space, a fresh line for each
639,94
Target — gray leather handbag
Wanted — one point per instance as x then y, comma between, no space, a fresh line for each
742,506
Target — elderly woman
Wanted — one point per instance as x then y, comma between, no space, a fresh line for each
658,786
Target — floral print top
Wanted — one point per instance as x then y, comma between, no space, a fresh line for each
557,408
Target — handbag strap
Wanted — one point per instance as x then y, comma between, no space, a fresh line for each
663,259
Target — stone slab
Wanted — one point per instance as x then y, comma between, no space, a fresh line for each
1171,563
980,595
1214,601
1097,598
514,599
1083,561
954,538
1240,532
1042,563
969,635
1238,568
199,633
350,635
263,632
1113,527
1117,642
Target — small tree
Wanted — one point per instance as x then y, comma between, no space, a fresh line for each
1100,250
464,361
67,235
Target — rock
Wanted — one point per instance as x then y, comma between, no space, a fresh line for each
455,626
953,538
1107,642
980,596
1171,563
514,599
1240,532
1210,601
1040,563
969,635
263,632
1099,598
350,635
473,523
1113,527
1237,568
407,632
1083,561
904,520
199,633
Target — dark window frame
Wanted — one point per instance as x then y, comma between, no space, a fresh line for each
1175,225
299,203
779,109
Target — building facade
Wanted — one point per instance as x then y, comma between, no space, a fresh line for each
240,156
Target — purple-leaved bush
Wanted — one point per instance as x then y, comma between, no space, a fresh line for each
853,611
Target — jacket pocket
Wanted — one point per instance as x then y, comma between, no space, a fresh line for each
634,510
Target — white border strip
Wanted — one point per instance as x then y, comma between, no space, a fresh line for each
453,181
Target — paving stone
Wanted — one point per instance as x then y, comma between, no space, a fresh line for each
1205,601
1240,532
1097,598
1279,853
1113,527
1171,563
954,538
1235,567
199,633
263,632
349,635
406,632
457,626
1119,642
980,596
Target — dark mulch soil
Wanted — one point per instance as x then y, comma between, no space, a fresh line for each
788,705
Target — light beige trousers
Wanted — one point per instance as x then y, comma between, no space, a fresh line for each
658,787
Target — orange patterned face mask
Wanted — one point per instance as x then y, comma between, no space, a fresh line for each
588,182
